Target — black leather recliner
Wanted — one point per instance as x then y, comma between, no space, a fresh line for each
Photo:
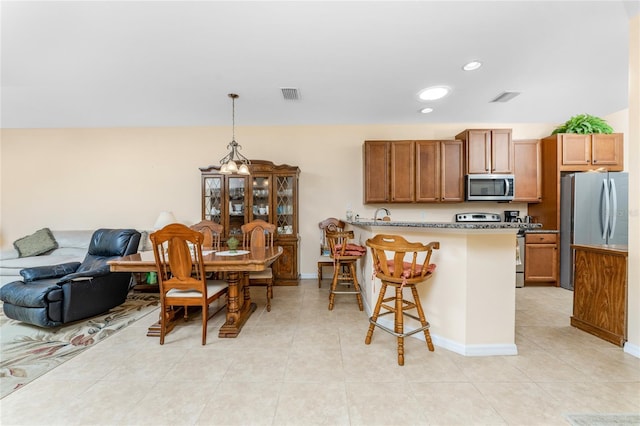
50,296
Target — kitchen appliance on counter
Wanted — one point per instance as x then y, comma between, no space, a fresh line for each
483,187
594,209
477,217
512,216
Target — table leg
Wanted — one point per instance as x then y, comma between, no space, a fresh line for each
239,306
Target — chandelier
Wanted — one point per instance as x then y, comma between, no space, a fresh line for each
234,162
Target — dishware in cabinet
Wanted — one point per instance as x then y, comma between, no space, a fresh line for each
261,197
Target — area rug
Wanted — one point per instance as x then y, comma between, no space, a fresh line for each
604,419
27,351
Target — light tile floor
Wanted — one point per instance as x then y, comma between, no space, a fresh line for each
301,364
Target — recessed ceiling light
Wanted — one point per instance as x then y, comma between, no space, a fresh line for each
473,65
426,110
433,93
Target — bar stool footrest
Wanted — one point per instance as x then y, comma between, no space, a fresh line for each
405,334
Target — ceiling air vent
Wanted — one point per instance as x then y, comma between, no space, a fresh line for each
290,93
505,96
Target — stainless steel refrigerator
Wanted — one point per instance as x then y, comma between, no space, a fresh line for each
594,209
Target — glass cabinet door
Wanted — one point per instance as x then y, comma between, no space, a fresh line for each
237,204
212,202
261,189
284,205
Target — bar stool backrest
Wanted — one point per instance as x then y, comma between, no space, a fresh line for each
390,263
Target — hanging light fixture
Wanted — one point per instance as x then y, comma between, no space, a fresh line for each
234,162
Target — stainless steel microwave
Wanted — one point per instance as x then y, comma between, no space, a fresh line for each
490,187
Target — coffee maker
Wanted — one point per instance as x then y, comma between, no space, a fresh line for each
512,216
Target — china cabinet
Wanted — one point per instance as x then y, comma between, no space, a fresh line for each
269,193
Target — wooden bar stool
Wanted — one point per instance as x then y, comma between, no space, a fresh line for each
344,255
399,272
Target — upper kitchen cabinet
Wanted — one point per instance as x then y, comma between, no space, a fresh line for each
389,169
578,152
439,171
527,170
376,171
413,171
487,151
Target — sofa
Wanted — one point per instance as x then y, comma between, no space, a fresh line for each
72,247
52,295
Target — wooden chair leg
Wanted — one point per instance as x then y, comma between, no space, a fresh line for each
319,274
205,316
376,313
423,320
399,324
356,285
334,284
269,295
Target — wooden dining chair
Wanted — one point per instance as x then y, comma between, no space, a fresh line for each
177,250
324,260
211,232
259,234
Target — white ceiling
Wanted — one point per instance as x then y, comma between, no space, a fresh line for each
148,64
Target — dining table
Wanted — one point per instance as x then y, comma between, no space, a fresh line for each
236,266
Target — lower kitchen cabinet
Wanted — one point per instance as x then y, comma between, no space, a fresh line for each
600,292
541,258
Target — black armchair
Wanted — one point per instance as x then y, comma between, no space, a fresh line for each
50,296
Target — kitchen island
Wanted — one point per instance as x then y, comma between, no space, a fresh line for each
470,300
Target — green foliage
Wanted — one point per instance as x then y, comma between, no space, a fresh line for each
584,124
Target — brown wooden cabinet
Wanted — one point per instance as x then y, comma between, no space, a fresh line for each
541,258
423,171
439,171
269,193
527,170
487,150
587,152
600,292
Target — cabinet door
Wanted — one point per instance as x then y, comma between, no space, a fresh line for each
402,172
451,171
213,206
541,263
285,268
237,206
606,150
428,171
286,223
260,198
576,149
376,172
501,151
527,170
478,151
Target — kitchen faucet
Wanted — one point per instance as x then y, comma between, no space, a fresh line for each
386,210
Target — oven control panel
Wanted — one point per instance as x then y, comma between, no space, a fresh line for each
477,217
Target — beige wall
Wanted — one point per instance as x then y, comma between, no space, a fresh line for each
87,178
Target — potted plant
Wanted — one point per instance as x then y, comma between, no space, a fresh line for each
584,124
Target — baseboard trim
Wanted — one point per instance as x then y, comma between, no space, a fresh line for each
632,349
462,349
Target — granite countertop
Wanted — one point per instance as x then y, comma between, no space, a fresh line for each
448,225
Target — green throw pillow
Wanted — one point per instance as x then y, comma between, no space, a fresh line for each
37,243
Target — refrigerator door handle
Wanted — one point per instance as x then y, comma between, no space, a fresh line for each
614,214
605,220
